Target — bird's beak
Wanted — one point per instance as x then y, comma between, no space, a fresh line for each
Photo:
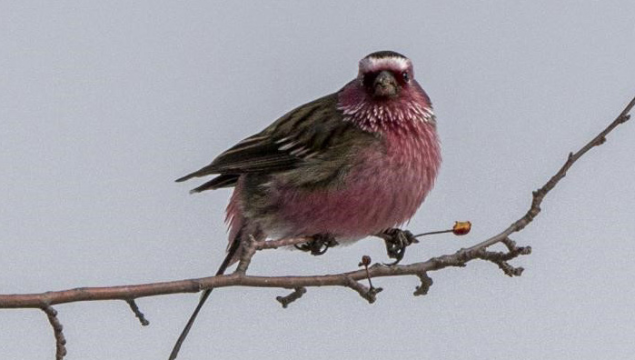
385,85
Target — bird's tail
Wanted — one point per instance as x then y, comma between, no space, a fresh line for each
221,270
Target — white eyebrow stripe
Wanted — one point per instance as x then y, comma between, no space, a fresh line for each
372,64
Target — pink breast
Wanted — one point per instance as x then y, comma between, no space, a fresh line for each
383,190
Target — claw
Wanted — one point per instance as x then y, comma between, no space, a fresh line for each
398,256
318,244
397,241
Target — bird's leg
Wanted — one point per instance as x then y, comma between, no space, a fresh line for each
397,241
318,244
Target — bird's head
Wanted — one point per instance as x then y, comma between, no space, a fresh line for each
385,74
385,94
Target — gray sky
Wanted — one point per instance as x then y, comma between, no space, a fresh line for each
103,104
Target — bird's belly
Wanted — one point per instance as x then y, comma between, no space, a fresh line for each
383,191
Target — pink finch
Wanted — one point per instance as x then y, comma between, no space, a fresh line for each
355,163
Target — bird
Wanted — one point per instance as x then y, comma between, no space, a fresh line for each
356,163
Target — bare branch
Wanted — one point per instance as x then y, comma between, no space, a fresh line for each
539,195
196,285
235,279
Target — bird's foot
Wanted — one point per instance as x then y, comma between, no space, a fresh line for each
318,244
397,241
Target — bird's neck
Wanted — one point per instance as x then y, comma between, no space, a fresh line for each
409,110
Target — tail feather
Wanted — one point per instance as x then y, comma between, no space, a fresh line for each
231,252
186,177
206,170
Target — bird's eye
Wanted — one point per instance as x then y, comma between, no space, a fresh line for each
405,76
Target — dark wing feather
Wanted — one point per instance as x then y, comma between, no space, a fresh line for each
284,145
221,181
254,154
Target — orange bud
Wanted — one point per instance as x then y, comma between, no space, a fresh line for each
461,227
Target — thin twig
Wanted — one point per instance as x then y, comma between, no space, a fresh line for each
274,244
539,195
248,251
426,283
433,233
60,341
370,294
252,246
137,312
288,299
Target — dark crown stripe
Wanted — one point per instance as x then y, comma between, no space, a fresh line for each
385,54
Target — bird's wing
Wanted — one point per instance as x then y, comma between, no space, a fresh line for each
220,181
286,144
